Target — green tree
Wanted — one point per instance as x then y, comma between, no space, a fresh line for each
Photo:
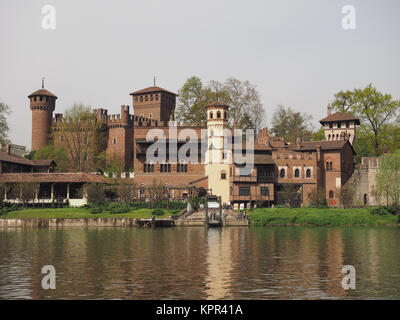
388,178
374,109
50,152
291,124
4,112
193,98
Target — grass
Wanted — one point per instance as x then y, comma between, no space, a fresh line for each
79,213
320,217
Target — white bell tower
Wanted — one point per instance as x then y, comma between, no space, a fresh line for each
218,160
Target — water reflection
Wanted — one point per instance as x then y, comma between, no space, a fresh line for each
196,263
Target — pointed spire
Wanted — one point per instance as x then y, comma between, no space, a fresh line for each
154,81
43,83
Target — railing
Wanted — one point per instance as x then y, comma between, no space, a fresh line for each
260,179
244,179
252,197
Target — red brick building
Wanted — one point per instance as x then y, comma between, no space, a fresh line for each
279,166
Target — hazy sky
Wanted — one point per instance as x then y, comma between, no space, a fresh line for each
296,51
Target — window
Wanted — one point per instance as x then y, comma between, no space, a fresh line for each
141,98
211,115
297,173
347,125
331,166
223,175
181,167
223,155
308,173
339,125
331,194
150,115
264,191
329,137
331,125
244,191
115,141
219,114
62,138
282,173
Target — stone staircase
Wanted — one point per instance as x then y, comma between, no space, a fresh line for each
197,218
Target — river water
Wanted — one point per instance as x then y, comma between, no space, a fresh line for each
196,263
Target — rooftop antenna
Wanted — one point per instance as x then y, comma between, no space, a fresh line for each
217,96
154,81
43,83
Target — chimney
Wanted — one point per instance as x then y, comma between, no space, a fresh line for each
329,110
298,143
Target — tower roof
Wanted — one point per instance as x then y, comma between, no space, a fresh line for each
340,116
151,90
217,104
42,92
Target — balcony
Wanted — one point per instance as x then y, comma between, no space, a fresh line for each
257,197
244,179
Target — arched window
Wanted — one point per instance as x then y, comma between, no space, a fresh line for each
365,199
219,114
329,137
327,165
331,194
308,173
282,173
331,166
297,173
211,115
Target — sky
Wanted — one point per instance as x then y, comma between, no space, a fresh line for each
296,52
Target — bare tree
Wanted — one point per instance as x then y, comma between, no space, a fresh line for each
78,132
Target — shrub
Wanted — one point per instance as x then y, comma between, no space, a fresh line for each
96,210
383,210
157,212
95,192
117,207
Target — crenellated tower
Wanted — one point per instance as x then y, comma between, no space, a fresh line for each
42,104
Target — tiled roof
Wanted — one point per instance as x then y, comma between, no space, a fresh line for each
340,116
42,92
51,177
217,104
150,90
325,145
261,159
43,163
4,156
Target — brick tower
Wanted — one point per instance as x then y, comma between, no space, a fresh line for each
42,103
154,103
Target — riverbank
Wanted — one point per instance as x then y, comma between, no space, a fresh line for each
320,217
81,213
